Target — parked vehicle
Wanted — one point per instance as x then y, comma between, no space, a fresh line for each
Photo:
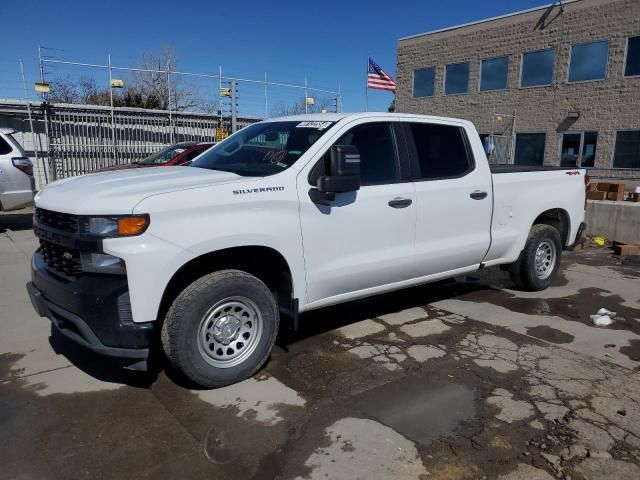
179,154
17,186
286,216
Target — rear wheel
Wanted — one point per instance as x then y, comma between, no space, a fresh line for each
221,328
539,261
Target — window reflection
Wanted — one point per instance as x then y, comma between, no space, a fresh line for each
494,73
588,61
423,82
537,68
456,78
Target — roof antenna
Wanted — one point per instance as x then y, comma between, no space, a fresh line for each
561,6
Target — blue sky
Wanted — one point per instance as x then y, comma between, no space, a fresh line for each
327,42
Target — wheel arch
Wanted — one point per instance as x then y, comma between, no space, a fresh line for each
559,219
263,262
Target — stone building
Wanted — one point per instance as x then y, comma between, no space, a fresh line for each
553,85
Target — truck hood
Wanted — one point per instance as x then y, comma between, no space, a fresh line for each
118,192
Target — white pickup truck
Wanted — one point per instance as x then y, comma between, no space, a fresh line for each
286,216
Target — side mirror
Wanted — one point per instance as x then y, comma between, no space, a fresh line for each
344,175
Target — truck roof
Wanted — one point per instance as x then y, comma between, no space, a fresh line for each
334,117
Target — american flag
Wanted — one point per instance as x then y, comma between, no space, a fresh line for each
378,78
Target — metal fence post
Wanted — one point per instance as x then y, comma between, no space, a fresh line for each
266,97
234,113
113,116
219,95
171,132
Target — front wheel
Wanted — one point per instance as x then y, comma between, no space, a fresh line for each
539,261
221,328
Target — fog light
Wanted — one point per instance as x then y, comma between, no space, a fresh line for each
102,263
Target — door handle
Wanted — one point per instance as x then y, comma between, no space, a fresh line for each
400,202
478,195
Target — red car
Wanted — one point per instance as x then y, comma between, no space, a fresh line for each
178,154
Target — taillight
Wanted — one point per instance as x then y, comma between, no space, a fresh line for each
23,164
587,180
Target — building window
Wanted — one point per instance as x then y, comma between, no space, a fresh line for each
423,82
537,68
578,149
485,138
456,78
588,61
627,150
494,73
632,63
530,149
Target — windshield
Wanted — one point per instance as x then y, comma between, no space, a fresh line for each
163,156
263,149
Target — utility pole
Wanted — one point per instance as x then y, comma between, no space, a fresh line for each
33,135
45,109
234,106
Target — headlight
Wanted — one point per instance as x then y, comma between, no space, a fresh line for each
117,226
102,263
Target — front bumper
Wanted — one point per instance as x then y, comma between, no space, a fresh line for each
91,310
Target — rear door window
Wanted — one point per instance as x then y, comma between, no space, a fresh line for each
441,151
5,148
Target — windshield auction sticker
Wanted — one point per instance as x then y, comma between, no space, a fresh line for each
316,124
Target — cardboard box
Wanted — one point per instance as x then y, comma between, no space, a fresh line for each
596,195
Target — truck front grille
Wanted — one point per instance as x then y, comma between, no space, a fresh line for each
61,221
61,259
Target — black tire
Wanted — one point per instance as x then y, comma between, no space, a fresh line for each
524,272
184,324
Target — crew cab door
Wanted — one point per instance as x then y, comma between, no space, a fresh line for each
454,198
363,239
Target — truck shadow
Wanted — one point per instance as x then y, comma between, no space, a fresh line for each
105,369
16,221
327,319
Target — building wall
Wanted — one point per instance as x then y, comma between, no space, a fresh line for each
605,106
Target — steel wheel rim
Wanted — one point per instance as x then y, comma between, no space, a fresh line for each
229,332
545,259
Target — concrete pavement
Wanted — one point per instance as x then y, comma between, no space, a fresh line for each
465,379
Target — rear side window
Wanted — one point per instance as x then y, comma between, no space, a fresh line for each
441,151
5,148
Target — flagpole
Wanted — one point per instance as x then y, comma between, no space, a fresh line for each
366,88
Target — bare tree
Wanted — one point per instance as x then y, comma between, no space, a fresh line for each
155,87
283,109
148,89
63,90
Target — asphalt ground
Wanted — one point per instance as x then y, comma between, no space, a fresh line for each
455,380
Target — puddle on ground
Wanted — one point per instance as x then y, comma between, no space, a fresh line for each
550,334
632,350
576,308
420,409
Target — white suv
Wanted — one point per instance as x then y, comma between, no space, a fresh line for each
17,186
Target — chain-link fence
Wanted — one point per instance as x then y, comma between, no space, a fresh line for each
66,140
84,138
